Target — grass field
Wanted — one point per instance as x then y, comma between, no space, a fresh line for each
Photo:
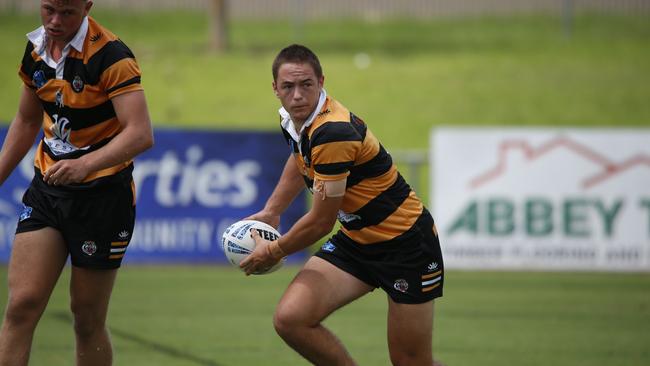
208,316
494,71
503,71
516,71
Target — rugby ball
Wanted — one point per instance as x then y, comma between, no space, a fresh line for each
237,242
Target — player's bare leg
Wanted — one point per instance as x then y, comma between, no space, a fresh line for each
410,328
318,290
90,292
37,258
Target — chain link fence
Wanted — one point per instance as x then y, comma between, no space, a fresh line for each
368,9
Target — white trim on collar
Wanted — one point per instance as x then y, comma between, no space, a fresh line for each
78,41
39,38
287,123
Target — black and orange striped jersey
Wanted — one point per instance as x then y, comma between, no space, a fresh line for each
378,204
76,96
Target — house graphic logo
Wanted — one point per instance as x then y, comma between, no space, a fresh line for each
542,198
609,168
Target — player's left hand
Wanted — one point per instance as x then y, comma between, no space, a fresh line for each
260,259
66,172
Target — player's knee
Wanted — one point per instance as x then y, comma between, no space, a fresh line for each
282,322
286,322
24,308
86,321
410,358
86,326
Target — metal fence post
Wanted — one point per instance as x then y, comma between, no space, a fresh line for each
413,160
219,25
567,17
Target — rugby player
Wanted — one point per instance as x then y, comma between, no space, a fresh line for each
387,238
81,86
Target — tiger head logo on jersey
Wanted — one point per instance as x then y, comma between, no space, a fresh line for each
401,285
89,247
77,84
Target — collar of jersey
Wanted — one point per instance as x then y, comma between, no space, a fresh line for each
39,38
288,124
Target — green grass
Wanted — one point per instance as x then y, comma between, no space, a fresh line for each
492,71
189,316
510,71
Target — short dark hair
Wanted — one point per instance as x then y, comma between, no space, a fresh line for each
296,54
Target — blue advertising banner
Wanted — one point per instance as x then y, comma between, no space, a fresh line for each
190,187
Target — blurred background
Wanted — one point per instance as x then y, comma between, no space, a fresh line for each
546,265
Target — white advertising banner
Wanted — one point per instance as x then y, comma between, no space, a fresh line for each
542,198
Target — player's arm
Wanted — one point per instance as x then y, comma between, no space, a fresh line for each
315,224
289,186
22,132
136,136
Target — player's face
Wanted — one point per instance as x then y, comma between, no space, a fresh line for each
298,88
62,18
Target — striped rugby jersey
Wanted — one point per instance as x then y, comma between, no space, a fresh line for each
78,114
378,204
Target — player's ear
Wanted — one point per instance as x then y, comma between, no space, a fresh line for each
89,4
275,89
321,80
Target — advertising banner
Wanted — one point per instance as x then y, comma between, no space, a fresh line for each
542,198
190,186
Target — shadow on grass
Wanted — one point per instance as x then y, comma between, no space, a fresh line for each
152,345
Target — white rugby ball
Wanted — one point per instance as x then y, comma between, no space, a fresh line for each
237,242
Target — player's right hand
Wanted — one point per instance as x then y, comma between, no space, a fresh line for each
265,217
261,259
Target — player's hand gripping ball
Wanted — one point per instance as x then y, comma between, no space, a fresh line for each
237,242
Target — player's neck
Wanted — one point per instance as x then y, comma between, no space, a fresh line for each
56,49
298,125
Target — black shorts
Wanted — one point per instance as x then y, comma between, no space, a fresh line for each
409,268
96,224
